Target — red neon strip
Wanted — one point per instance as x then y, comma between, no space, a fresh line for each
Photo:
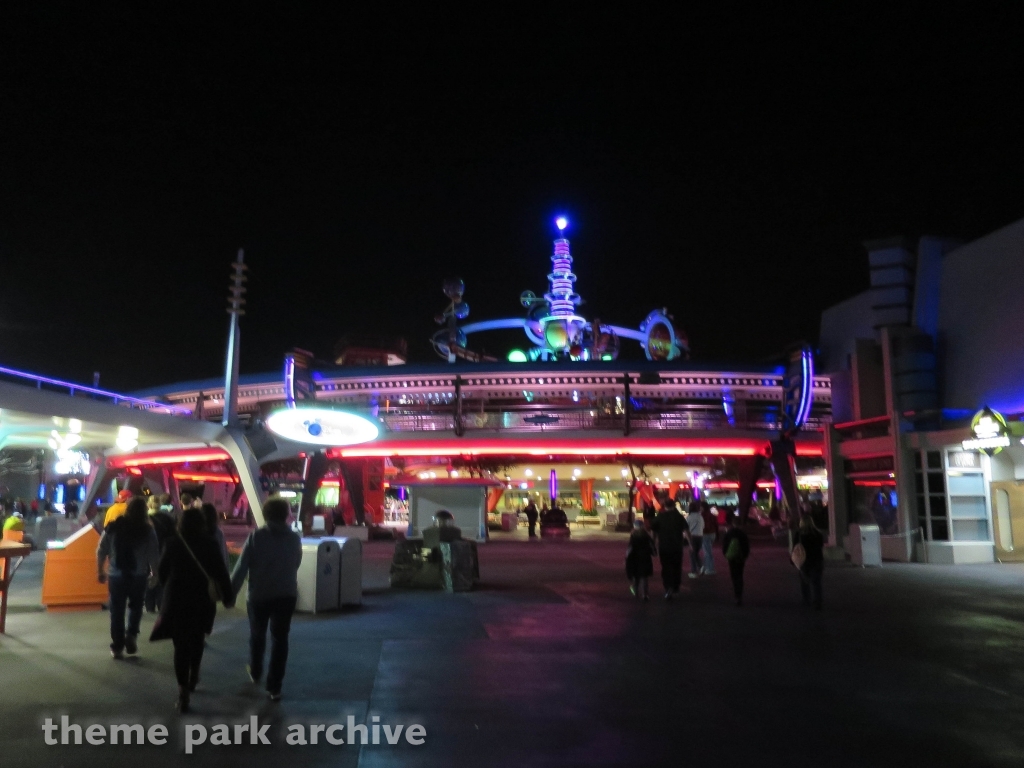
167,457
724,485
875,483
205,477
581,447
330,484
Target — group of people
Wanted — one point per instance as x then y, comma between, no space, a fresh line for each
175,561
670,533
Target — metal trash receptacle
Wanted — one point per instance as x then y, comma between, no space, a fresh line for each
350,569
319,576
865,545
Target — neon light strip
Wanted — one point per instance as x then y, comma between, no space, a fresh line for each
494,325
93,391
806,395
580,447
206,477
167,457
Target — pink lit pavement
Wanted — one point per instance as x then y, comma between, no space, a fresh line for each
552,663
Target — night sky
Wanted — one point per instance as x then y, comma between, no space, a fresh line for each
725,164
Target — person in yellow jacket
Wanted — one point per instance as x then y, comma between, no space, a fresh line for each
117,509
14,523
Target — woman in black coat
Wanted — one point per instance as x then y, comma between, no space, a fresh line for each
189,562
639,566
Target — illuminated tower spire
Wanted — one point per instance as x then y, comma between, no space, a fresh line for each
560,295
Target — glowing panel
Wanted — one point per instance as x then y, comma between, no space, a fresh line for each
322,426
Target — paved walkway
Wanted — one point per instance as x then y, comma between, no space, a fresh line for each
551,663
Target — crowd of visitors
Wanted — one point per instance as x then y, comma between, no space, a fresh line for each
670,533
175,561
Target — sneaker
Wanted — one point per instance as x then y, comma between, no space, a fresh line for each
253,678
274,695
692,575
116,654
668,595
632,590
130,645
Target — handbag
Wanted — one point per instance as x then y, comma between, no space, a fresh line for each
799,555
734,550
211,586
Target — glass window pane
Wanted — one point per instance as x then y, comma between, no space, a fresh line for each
936,484
922,513
964,507
934,460
917,459
970,530
967,485
938,506
919,482
939,530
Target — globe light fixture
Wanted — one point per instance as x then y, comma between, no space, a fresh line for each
561,222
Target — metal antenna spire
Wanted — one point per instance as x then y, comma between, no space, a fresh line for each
235,304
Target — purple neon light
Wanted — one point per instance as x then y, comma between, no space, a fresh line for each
289,381
117,398
806,395
553,486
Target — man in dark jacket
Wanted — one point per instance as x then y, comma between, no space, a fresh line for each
668,527
531,518
736,547
165,527
271,558
814,563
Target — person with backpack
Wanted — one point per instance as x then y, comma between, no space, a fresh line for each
669,526
194,579
809,557
131,546
736,547
638,559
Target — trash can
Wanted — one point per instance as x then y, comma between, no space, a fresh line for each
350,572
864,545
318,576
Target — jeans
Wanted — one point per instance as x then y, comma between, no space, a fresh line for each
188,655
736,574
810,584
671,569
277,612
130,590
533,529
709,555
696,542
154,595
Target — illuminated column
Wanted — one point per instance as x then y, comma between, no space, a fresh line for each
560,295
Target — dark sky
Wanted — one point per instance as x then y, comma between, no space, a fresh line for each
726,164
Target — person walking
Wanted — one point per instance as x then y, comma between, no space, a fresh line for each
812,544
710,515
639,567
695,534
531,518
212,519
736,547
119,507
270,558
193,575
669,525
166,529
131,546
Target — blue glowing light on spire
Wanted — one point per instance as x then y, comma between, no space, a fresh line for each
561,222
